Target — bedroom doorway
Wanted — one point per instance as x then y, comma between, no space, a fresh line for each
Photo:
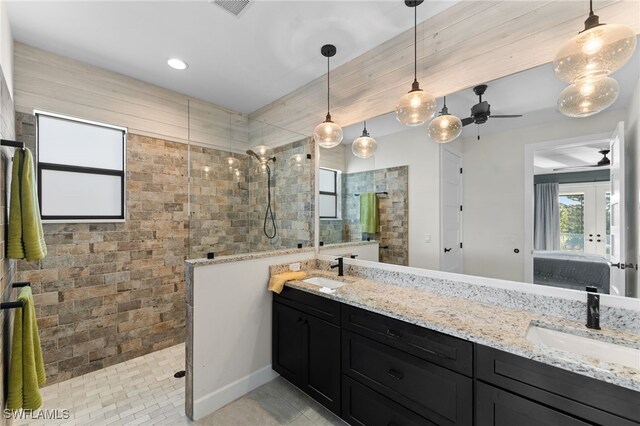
574,214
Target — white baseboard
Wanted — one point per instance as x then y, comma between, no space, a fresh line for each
209,403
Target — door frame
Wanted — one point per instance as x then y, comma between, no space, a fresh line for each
529,151
457,152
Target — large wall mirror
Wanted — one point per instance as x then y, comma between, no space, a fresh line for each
542,198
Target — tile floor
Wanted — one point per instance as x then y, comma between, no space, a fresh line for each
144,391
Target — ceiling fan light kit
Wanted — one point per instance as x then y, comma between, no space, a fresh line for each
587,59
328,134
364,146
416,107
445,127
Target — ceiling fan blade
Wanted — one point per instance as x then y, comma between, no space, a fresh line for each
506,116
467,121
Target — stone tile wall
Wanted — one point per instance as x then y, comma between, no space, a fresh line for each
7,266
393,210
331,231
109,292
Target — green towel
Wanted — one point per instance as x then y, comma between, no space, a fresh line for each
26,372
369,220
26,237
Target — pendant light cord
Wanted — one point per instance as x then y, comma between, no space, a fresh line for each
590,7
415,44
328,86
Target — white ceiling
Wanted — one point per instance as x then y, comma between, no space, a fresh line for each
241,63
585,155
532,93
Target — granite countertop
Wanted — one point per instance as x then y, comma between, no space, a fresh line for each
492,325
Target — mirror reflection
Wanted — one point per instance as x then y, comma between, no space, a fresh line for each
524,193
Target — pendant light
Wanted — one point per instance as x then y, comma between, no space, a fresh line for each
445,127
416,107
588,97
597,51
364,146
328,134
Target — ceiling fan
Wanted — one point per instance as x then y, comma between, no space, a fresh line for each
604,161
481,111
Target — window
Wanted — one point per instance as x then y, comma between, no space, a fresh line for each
81,169
329,193
584,217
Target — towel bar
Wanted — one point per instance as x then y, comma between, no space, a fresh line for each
11,305
377,193
14,144
21,284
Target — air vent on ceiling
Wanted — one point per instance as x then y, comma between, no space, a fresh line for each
232,6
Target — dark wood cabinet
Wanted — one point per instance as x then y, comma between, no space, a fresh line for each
374,370
435,393
497,407
306,351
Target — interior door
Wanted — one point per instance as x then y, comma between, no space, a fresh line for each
617,253
451,178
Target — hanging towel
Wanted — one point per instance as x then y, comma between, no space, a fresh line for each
369,220
26,372
276,282
26,237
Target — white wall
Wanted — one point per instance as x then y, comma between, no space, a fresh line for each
493,192
6,47
413,148
334,158
232,330
632,154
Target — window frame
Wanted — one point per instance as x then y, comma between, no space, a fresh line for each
41,166
334,194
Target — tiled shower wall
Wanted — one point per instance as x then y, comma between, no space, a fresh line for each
109,292
393,234
7,267
227,213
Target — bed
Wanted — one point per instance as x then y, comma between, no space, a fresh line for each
571,270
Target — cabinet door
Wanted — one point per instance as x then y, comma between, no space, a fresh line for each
495,407
322,362
287,340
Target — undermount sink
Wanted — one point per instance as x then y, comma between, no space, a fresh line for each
604,351
324,282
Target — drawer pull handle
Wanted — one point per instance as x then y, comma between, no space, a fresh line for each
393,334
395,374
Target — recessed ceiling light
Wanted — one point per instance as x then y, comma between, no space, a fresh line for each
177,64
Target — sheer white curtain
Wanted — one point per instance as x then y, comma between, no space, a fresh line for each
546,228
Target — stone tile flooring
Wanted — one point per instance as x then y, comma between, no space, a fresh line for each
144,391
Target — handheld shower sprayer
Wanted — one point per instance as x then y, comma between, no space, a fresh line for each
268,214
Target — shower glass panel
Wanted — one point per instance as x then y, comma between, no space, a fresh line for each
251,185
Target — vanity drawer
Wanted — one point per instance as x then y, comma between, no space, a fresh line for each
450,352
591,399
438,394
362,406
318,306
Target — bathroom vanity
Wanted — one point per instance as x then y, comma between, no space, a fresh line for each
383,354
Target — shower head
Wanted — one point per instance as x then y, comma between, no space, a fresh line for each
250,152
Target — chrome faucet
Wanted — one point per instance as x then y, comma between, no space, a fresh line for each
340,266
593,308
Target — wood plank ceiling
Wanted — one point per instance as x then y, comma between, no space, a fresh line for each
470,43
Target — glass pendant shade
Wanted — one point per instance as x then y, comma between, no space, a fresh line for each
328,134
297,161
415,108
444,128
588,97
364,146
232,163
595,52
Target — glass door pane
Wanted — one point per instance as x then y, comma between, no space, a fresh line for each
571,222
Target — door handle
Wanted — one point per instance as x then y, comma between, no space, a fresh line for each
395,374
447,250
618,265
